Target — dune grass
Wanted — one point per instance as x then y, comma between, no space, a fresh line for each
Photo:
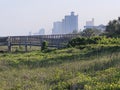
91,68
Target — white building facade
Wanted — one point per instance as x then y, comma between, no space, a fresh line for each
67,25
90,25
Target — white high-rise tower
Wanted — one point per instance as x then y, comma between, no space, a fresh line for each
67,25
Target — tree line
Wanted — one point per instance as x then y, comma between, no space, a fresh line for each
112,30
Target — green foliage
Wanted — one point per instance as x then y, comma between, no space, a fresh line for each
93,40
44,45
113,28
90,32
93,67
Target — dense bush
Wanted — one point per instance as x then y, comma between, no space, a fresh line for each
44,45
113,27
93,40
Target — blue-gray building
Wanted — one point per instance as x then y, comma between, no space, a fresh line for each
67,25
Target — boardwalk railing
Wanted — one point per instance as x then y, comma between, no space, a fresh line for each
53,40
3,41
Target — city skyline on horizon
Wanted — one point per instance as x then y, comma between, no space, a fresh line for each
21,17
67,25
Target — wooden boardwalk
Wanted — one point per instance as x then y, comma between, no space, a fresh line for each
57,41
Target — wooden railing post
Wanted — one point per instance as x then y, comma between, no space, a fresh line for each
26,48
25,44
9,44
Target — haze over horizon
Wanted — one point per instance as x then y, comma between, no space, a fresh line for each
19,17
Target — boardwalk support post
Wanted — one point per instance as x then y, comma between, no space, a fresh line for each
26,38
25,47
9,48
9,45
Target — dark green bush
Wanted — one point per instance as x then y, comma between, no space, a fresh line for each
93,40
44,45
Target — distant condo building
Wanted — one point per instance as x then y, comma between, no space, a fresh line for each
67,25
40,32
57,28
90,25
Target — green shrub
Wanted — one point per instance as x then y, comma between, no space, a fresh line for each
93,40
44,45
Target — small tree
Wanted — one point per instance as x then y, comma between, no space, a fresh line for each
44,45
90,32
113,27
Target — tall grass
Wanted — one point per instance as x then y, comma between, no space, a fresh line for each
91,68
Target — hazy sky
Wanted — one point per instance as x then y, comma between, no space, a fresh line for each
19,17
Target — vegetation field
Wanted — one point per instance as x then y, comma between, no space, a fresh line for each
90,68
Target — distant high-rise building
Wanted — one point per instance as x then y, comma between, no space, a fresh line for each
30,33
70,23
42,31
57,28
67,25
89,24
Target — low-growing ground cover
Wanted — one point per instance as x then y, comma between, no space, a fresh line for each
80,68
